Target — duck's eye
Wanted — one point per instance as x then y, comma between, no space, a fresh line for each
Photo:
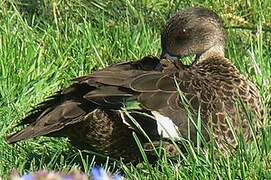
181,35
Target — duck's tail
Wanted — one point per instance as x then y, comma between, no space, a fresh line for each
50,121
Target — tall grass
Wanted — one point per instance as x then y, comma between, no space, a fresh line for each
43,45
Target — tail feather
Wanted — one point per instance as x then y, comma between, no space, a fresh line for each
51,122
27,133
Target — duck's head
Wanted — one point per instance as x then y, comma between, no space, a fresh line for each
193,31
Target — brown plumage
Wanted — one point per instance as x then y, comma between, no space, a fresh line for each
212,82
91,113
84,113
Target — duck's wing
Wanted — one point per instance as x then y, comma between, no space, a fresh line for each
156,92
70,106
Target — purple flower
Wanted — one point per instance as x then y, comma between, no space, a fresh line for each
99,173
28,177
67,178
117,177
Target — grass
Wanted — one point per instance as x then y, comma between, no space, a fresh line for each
46,44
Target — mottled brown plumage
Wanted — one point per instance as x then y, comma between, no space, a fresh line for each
212,82
91,112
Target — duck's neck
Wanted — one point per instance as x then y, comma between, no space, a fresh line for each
216,51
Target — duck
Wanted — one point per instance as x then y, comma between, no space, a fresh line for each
155,99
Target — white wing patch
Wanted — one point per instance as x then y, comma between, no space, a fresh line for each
165,127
